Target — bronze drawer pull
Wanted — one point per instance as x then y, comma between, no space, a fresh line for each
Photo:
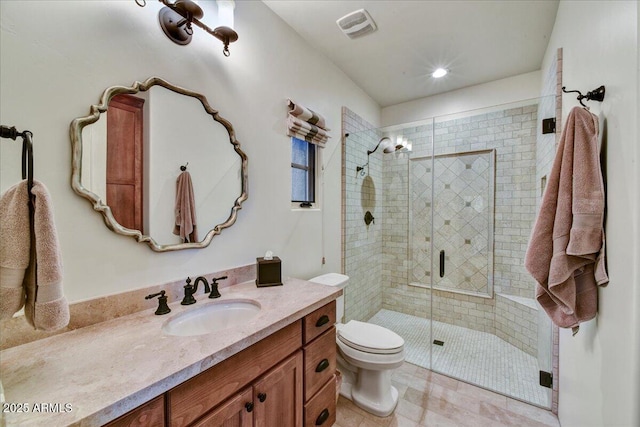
248,406
324,364
324,415
322,321
262,397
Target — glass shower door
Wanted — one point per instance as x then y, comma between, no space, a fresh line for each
485,324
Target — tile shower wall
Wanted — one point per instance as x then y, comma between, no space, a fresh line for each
517,322
512,133
362,243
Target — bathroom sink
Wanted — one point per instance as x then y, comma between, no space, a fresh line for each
212,317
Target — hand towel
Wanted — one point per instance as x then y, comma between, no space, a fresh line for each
185,209
566,249
14,248
46,307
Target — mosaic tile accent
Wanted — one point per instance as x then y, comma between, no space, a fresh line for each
463,220
477,357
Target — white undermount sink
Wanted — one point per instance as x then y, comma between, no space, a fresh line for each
211,317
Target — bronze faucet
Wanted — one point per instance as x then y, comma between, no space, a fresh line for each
190,289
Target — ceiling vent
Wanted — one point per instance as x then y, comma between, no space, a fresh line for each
357,24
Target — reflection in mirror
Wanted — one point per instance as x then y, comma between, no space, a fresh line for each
126,162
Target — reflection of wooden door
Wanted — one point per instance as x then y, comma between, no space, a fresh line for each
124,160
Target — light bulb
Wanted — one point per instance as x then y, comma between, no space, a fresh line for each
225,12
440,72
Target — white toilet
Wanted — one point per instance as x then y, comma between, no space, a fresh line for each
366,355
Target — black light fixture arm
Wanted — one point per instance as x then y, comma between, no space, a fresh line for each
191,14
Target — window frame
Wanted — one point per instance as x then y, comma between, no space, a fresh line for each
311,169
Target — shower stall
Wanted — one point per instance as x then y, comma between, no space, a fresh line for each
435,235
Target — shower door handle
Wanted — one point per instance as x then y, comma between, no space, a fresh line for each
441,263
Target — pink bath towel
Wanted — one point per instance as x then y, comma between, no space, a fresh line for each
566,250
185,209
30,259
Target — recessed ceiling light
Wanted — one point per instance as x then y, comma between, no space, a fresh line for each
440,72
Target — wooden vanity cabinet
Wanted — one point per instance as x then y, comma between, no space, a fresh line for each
285,380
273,400
194,398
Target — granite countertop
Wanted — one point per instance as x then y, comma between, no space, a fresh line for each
92,375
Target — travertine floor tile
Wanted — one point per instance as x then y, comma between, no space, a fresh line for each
434,400
533,412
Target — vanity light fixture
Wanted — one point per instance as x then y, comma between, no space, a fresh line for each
177,19
439,72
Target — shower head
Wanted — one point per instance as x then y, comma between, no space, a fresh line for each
387,146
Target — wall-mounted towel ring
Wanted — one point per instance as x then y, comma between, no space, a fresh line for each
27,152
594,95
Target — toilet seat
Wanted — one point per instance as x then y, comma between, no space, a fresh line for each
369,338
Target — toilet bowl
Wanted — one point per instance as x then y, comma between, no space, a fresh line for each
366,356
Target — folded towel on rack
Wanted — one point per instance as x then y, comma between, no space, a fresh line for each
46,307
566,250
185,209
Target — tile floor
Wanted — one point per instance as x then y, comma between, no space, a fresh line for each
476,357
434,400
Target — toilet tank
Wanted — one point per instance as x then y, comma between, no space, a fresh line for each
338,280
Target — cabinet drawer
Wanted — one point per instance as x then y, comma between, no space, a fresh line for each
149,414
319,362
321,409
319,321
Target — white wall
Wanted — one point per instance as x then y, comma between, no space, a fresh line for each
504,91
599,367
58,57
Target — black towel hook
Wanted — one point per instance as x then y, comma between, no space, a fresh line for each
593,95
184,167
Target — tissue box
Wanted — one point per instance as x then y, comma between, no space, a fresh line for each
268,272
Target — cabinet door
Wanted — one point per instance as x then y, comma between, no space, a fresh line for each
235,412
278,395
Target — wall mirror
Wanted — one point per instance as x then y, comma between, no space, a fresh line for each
130,150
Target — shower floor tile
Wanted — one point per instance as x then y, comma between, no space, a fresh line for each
476,357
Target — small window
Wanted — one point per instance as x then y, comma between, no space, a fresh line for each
303,172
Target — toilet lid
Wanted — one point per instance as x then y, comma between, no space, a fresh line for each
370,338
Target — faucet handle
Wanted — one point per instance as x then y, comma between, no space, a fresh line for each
163,308
214,287
188,293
